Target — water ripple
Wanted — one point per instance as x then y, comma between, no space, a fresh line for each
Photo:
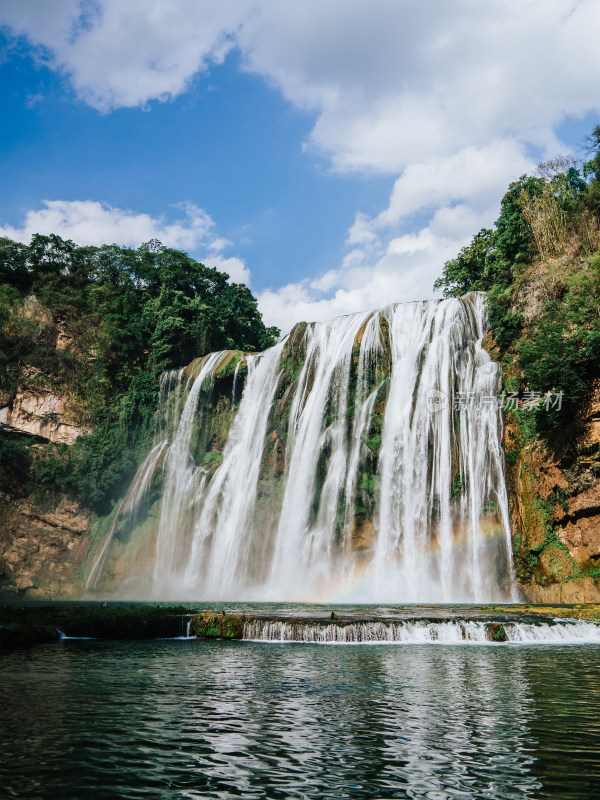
223,720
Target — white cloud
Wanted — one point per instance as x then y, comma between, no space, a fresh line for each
124,54
446,96
479,174
233,266
404,269
92,223
395,81
43,22
391,81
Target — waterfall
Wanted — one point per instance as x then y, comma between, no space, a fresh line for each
184,480
422,632
127,508
220,545
358,459
437,355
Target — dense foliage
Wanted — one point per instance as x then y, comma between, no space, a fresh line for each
544,244
100,324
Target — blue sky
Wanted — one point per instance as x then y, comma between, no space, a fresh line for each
332,155
232,145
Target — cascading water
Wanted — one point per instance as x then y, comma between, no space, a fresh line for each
183,480
351,468
422,632
127,509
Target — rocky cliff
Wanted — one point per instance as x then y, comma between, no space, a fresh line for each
555,512
43,544
41,412
44,532
553,478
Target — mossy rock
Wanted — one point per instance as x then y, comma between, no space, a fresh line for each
218,626
232,626
496,632
556,563
206,625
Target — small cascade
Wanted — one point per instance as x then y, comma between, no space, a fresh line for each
167,420
184,480
128,508
341,464
221,545
185,629
422,632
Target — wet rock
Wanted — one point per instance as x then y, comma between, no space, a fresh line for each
218,626
575,591
23,583
42,546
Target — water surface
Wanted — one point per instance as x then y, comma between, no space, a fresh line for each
215,719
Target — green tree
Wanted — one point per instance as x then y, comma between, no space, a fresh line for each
469,270
558,347
591,170
124,315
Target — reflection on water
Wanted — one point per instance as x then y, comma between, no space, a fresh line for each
197,719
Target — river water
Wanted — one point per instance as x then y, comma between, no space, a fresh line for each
216,719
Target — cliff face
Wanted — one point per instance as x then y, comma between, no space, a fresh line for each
41,412
555,523
43,543
553,481
44,533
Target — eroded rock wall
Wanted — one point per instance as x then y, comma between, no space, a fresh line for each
554,504
41,412
43,543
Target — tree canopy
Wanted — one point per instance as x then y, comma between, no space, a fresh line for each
552,218
100,324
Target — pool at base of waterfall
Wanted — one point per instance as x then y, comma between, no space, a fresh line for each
244,719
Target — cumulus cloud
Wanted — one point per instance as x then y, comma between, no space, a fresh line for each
236,268
395,81
391,81
478,174
448,97
402,269
93,223
124,54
